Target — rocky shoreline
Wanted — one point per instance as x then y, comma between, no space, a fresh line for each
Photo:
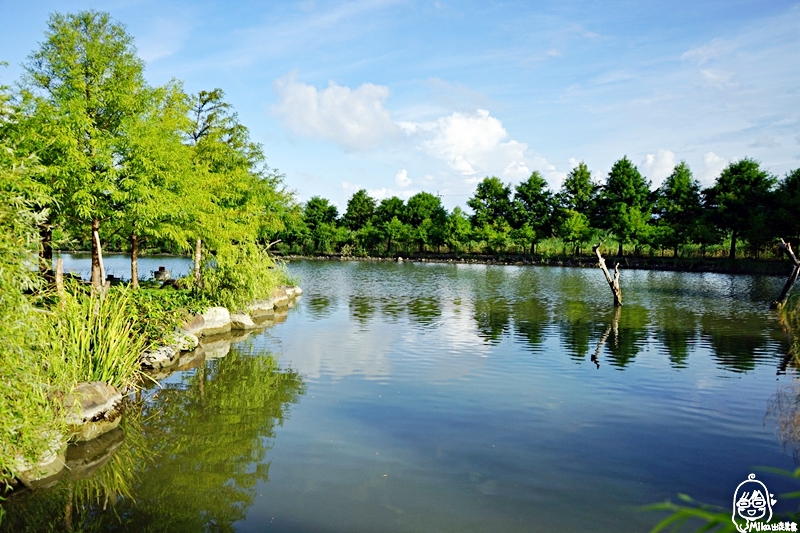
94,410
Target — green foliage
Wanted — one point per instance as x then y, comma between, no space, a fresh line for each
87,82
28,416
360,209
96,337
678,208
788,205
156,312
740,195
625,203
533,205
492,201
240,276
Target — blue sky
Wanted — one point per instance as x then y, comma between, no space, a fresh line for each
401,96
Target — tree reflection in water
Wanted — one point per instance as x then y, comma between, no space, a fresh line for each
193,454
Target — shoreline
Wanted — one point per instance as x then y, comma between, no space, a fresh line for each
764,267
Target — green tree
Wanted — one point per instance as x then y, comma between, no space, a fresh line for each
626,204
458,230
320,217
491,202
425,213
155,175
89,82
533,209
677,208
740,196
578,192
319,211
390,208
360,209
576,207
238,198
788,206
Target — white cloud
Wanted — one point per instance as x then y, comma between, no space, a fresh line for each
402,179
797,139
471,144
712,167
717,77
385,192
658,166
352,118
709,51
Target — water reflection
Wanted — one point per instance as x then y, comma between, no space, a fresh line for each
492,319
193,453
630,334
531,318
736,342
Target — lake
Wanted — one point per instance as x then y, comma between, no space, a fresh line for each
421,397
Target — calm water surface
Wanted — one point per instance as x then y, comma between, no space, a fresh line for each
421,397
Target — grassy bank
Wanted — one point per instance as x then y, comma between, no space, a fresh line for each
55,341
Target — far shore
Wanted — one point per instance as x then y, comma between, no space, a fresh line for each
719,265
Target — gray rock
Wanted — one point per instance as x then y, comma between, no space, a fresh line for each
93,409
261,308
160,357
280,298
194,325
217,320
242,321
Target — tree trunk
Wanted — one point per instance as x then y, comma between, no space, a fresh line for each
612,282
134,260
619,250
98,274
46,252
60,282
675,252
198,251
786,247
732,254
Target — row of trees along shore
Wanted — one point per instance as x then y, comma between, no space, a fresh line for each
746,205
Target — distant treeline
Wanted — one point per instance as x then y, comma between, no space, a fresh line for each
746,211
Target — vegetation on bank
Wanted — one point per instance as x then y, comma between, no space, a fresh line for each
90,153
743,214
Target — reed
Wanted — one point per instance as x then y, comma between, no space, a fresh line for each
96,337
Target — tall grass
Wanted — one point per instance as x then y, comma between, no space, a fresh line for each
96,337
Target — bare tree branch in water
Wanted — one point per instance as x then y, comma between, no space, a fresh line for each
612,282
786,247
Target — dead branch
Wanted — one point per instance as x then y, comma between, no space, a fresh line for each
786,247
613,282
